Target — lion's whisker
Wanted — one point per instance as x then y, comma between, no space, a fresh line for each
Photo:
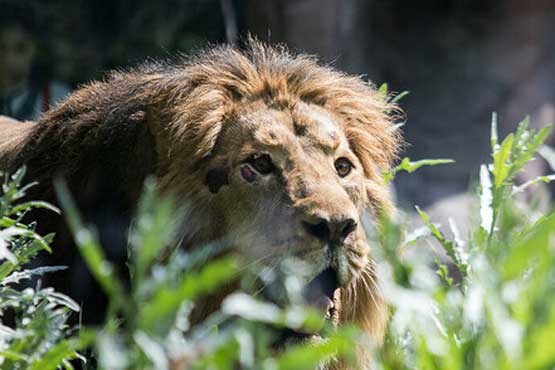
375,288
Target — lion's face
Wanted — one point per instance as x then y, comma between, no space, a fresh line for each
281,157
294,188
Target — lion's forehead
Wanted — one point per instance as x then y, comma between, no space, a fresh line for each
290,130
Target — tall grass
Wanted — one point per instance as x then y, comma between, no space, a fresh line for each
33,330
500,314
487,301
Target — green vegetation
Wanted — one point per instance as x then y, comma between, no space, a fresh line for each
39,337
501,314
485,302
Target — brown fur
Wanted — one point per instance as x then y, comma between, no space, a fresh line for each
179,121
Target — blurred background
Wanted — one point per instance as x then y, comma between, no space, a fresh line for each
460,59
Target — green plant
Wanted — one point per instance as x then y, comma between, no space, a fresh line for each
487,303
38,337
147,326
500,313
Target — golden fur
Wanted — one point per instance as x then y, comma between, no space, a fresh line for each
194,122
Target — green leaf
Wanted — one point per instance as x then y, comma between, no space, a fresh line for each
545,179
383,90
501,165
443,273
526,145
25,254
17,177
448,245
247,307
158,314
33,204
533,245
399,96
14,356
494,136
152,231
548,153
341,344
64,350
540,349
486,200
16,277
409,166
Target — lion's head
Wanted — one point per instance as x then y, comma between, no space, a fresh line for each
273,151
286,156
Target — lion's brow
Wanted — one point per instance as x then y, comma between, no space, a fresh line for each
327,140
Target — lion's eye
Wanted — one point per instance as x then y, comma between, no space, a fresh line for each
262,163
343,166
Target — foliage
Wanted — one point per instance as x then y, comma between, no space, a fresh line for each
500,311
148,325
38,337
485,302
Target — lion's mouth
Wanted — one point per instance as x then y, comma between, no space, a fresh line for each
320,291
319,294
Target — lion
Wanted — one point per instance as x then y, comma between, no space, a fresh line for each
272,150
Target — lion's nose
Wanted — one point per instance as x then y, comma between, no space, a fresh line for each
330,231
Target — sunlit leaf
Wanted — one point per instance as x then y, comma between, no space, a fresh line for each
447,245
486,200
548,153
66,349
399,97
17,276
501,165
409,166
545,179
533,245
383,90
540,347
494,136
159,313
